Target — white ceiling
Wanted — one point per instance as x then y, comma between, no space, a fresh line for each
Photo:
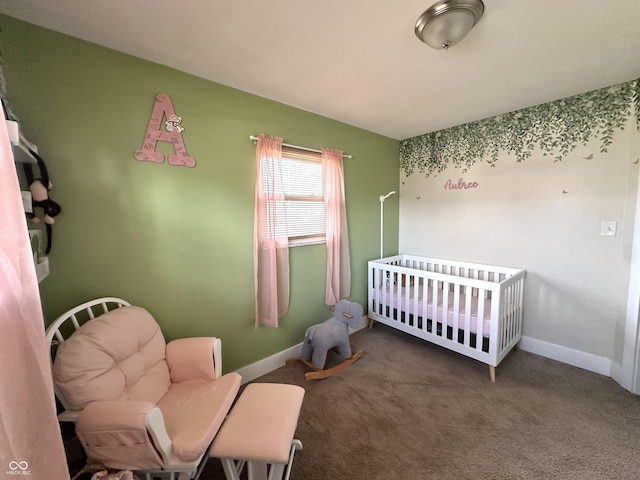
359,61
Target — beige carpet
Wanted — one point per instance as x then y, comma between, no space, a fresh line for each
411,410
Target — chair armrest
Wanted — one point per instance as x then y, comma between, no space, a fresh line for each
194,359
124,434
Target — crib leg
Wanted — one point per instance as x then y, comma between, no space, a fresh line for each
492,373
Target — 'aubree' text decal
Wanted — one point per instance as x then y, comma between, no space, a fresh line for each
461,185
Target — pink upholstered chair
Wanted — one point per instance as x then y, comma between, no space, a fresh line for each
139,404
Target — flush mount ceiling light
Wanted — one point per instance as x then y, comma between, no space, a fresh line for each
447,22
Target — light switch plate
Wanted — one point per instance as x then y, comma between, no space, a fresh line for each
608,229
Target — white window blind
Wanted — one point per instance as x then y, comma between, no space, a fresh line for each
303,205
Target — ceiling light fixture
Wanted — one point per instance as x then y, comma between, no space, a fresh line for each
447,22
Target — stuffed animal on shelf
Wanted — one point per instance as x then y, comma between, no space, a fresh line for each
39,189
331,334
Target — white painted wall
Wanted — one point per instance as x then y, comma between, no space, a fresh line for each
577,284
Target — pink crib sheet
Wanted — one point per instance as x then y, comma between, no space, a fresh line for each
398,301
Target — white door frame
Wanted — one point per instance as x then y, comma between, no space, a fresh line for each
629,373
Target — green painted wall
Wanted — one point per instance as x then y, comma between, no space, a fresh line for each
173,239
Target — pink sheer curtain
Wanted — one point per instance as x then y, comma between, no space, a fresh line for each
270,241
338,284
30,440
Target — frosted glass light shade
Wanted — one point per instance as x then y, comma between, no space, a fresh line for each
447,22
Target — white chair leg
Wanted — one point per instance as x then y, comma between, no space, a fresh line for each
295,445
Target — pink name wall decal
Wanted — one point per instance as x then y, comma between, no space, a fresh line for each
163,107
461,185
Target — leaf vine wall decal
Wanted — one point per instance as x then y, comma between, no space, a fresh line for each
556,128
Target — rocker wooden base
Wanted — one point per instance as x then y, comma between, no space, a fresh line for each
319,374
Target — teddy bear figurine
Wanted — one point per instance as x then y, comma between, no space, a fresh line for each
332,334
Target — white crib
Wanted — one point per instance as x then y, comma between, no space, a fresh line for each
470,308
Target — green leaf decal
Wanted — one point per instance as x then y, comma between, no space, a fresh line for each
556,128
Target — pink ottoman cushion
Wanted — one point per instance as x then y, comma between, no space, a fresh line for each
261,425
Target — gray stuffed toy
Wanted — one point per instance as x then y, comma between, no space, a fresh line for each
332,334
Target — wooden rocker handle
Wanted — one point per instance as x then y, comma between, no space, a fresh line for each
318,373
343,313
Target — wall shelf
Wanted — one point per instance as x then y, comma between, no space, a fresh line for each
20,145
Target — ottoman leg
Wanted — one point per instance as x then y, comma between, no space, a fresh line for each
232,469
295,445
268,471
264,471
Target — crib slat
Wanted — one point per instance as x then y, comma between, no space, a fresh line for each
467,315
375,284
456,310
380,292
425,304
415,292
403,287
480,320
396,297
435,293
388,295
509,320
514,312
445,308
496,311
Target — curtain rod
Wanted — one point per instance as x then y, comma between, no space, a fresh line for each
255,139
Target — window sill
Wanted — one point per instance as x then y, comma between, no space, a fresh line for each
301,242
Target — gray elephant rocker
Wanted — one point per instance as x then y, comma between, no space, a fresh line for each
330,335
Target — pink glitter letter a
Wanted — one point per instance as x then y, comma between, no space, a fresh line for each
163,107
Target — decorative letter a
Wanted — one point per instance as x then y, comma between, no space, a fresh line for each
164,107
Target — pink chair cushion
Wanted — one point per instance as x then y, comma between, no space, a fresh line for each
191,359
119,355
194,411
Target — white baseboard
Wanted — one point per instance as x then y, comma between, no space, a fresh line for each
617,373
269,364
577,358
364,322
277,360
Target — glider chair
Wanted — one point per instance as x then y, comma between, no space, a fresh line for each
138,404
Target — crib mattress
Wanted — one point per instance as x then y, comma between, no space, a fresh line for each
396,298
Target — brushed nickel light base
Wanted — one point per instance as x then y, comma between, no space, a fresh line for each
448,21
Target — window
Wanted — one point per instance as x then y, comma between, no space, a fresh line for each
303,204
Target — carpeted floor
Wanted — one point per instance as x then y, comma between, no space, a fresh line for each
411,410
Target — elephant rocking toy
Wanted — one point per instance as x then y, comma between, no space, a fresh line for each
332,334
